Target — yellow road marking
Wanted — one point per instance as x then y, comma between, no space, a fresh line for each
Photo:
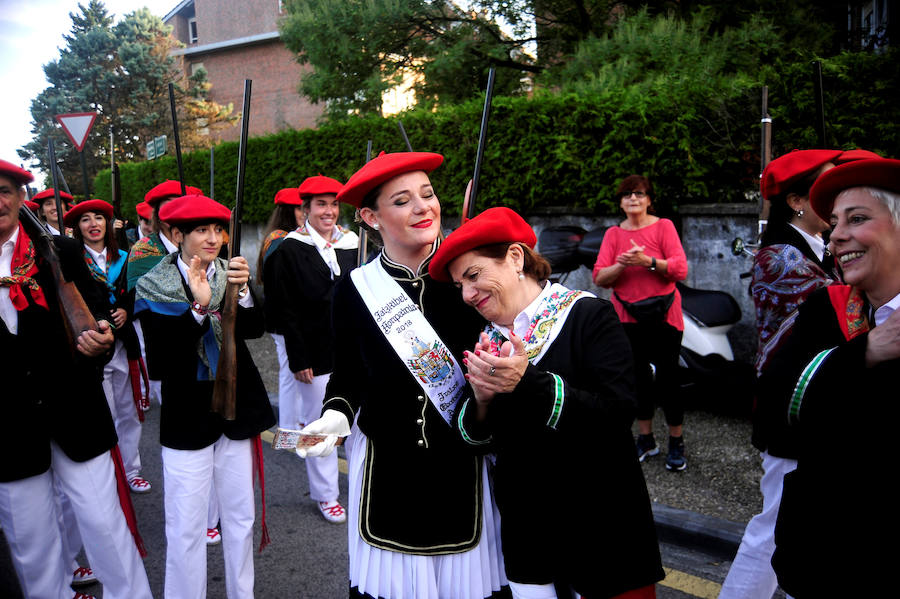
692,585
268,436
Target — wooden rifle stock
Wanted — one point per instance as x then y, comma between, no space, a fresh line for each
76,316
224,398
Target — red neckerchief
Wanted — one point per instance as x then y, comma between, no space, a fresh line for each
849,307
23,270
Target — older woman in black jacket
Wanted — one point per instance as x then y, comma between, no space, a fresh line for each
554,398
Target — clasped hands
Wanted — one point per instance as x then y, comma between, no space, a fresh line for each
490,374
634,256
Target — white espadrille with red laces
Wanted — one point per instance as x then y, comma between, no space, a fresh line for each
213,536
83,576
139,484
333,511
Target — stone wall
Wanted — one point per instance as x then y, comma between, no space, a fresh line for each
706,232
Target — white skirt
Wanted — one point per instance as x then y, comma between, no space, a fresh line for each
475,574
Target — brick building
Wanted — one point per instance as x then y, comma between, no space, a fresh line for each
234,41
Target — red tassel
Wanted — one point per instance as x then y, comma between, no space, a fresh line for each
124,492
134,375
261,475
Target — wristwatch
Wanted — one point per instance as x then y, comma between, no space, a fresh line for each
652,264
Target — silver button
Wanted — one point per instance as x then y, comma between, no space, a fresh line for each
419,421
421,398
415,284
420,442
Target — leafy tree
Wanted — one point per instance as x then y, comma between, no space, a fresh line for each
121,71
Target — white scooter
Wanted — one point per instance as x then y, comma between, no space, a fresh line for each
710,376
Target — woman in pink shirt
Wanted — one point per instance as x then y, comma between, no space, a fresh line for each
640,260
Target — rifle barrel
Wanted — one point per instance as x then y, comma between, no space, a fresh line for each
51,151
363,250
235,237
177,138
482,140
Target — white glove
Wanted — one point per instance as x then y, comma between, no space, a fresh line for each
333,424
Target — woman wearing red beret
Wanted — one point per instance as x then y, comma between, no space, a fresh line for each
91,223
47,211
553,385
301,273
180,299
833,379
421,519
791,263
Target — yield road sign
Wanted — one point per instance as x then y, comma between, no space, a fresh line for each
77,125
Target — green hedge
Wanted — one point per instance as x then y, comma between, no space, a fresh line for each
557,149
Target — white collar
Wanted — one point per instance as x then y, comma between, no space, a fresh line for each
522,322
882,313
53,230
99,257
816,243
184,268
170,247
319,241
11,242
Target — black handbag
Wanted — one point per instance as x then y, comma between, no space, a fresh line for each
651,309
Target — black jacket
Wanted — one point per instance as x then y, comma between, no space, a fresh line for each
299,289
587,463
49,392
186,421
839,498
421,492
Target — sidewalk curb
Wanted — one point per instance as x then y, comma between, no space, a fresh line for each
692,529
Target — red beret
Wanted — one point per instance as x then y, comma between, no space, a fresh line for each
494,225
313,186
17,174
857,154
193,208
42,197
783,172
144,210
33,206
169,189
71,217
288,195
883,173
384,168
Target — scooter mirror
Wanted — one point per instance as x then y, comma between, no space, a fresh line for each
737,246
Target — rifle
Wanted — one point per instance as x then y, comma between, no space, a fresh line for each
177,138
405,138
76,316
363,249
765,158
56,175
224,397
116,192
212,172
820,102
468,210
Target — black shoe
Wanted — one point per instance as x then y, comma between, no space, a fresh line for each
675,459
646,447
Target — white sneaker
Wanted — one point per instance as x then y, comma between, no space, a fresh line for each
213,536
83,576
333,512
139,485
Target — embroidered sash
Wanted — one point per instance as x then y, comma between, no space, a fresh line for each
548,321
426,357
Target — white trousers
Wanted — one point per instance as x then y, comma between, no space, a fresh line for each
120,397
29,516
188,476
532,591
751,575
298,405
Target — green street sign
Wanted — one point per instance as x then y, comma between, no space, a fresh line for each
160,145
151,150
